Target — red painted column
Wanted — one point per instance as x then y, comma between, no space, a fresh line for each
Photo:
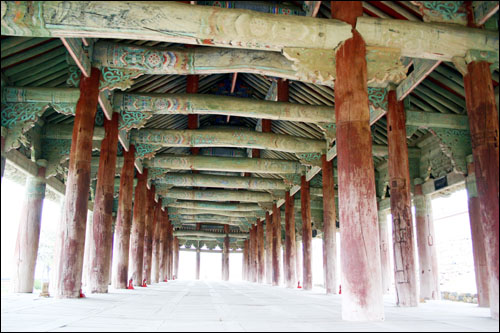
245,261
260,252
170,251
329,227
426,241
28,235
276,245
137,233
155,265
225,255
478,249
164,246
385,260
73,222
176,258
101,245
405,268
290,251
148,235
269,249
483,124
360,254
124,220
305,203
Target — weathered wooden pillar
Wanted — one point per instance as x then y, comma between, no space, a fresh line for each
148,234
170,251
197,263
164,246
88,240
260,252
305,207
157,242
360,258
176,258
245,261
298,261
289,261
276,245
483,124
427,256
225,255
137,233
124,221
100,248
478,245
405,277
110,269
329,227
255,254
269,249
251,271
385,260
28,234
73,222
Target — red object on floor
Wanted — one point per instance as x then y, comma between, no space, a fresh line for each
165,280
130,286
144,283
299,286
340,289
82,295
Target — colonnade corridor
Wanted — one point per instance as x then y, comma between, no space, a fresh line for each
209,306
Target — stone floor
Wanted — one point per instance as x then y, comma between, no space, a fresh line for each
217,306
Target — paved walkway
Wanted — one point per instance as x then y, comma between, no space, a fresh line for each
217,306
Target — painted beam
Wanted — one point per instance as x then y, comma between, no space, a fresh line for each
227,138
434,119
483,10
207,234
217,195
202,205
208,219
425,40
65,132
230,213
421,69
36,94
75,50
382,151
200,180
149,104
171,22
228,164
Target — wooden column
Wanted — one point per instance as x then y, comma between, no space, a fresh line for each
158,225
360,257
250,255
170,251
225,255
405,277
28,234
305,207
137,233
110,269
245,261
276,245
426,241
385,260
261,267
478,245
100,248
298,260
73,222
176,258
124,221
198,227
289,261
148,235
483,124
164,246
255,254
86,255
329,227
269,249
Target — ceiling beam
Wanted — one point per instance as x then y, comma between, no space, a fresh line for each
216,195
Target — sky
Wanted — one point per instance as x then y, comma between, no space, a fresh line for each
450,219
